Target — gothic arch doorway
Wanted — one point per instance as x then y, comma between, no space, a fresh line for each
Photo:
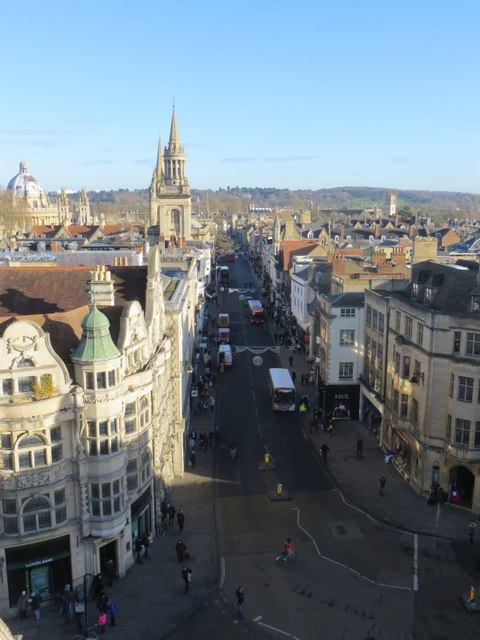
461,483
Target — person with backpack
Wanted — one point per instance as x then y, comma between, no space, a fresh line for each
187,578
112,612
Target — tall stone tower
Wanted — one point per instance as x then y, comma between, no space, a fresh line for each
170,198
391,203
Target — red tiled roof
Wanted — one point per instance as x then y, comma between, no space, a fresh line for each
297,247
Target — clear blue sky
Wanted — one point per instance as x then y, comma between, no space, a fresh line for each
304,94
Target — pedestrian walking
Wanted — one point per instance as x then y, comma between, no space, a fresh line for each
324,449
471,530
359,448
381,486
294,376
212,404
180,520
35,600
306,402
171,514
202,439
180,549
192,459
102,621
67,602
102,602
112,612
146,544
110,571
302,408
23,605
290,361
97,586
187,578
240,596
138,550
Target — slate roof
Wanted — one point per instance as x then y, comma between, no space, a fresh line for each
450,286
34,290
350,299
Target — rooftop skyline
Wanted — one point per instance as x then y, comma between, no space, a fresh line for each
309,95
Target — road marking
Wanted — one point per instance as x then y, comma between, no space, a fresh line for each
344,566
352,506
222,572
415,562
268,626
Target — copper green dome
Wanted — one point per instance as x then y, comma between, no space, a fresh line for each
96,342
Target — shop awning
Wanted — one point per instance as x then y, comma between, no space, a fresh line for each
406,438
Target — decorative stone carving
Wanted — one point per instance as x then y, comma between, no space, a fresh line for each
37,479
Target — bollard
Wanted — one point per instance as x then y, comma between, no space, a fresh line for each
279,489
472,593
266,458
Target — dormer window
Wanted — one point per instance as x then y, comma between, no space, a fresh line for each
25,362
475,304
428,295
415,291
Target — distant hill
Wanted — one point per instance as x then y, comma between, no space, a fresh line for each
445,203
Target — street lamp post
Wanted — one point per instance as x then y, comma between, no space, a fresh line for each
85,601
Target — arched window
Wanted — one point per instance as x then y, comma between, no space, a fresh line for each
31,452
36,514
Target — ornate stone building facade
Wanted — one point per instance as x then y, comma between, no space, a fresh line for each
93,406
29,198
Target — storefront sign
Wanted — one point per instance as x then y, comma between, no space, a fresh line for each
38,563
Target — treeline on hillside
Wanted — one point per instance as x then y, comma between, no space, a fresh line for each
240,199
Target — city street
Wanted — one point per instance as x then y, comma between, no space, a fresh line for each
361,557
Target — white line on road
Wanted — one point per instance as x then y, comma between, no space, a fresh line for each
344,566
415,562
352,506
268,626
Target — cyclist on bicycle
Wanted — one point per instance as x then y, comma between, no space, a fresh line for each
288,548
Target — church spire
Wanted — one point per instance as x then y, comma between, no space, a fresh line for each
159,167
173,130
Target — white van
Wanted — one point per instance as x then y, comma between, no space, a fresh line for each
227,357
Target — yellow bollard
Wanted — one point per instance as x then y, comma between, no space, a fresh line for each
266,458
279,489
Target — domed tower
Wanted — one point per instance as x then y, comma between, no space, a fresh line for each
170,197
28,194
